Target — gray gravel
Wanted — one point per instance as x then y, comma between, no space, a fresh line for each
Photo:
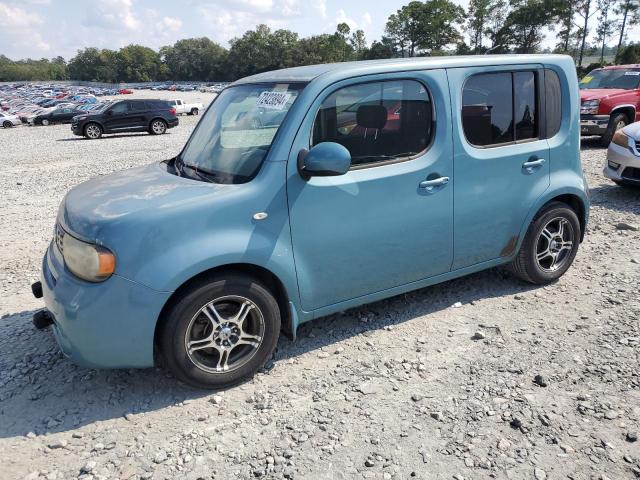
479,377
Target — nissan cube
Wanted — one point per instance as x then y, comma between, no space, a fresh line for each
307,191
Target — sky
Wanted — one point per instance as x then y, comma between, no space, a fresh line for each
48,28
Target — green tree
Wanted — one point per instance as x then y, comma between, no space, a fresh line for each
477,16
628,54
630,11
585,10
605,25
358,44
136,63
523,27
194,59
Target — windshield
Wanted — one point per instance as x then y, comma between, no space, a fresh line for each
234,136
625,78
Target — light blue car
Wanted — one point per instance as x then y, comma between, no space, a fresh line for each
311,190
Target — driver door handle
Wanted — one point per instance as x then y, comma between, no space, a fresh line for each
533,163
431,185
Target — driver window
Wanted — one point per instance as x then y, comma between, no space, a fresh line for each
120,108
377,122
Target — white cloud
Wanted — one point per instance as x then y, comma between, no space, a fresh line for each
170,23
366,19
321,7
16,17
112,15
341,17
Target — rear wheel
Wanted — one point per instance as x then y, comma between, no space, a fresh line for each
220,331
194,111
158,127
7,124
550,245
93,131
616,122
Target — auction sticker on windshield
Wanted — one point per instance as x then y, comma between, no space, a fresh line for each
273,100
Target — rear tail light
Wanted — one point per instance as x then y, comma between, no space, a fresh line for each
172,111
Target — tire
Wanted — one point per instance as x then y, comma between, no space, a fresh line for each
626,184
187,328
7,124
616,122
45,122
194,111
539,265
92,131
157,127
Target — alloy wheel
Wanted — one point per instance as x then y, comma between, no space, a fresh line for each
554,245
93,131
224,334
158,127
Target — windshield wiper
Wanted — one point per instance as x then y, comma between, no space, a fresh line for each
205,175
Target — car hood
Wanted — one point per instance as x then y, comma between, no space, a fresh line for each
600,93
130,197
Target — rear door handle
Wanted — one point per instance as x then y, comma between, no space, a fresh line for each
432,185
533,163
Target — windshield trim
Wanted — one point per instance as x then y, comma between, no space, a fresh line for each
179,158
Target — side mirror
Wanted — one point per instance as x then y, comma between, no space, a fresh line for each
109,112
326,159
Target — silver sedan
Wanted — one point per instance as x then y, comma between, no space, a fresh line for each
7,121
623,156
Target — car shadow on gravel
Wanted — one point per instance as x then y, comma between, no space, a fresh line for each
591,143
43,392
615,197
108,136
319,333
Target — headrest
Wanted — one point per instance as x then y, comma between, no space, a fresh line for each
371,116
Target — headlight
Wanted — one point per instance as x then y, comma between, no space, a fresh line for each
86,260
620,138
590,106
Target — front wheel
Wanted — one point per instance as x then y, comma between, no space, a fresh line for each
550,245
158,127
220,331
7,124
45,122
93,131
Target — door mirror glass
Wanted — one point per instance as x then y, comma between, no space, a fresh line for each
326,159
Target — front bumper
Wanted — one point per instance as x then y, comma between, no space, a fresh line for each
101,325
593,124
623,164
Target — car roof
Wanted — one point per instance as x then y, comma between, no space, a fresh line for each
350,69
618,67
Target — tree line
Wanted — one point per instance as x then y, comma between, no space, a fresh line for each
432,27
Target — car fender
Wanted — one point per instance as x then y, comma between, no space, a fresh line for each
562,182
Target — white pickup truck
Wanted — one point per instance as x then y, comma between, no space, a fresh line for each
188,108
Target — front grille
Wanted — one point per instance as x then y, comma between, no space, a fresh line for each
631,173
638,145
59,238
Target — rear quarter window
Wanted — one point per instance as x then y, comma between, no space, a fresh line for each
553,102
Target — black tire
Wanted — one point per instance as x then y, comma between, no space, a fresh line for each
92,131
626,184
526,265
7,124
616,122
194,111
184,314
157,126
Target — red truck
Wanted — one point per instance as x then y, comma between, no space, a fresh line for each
609,100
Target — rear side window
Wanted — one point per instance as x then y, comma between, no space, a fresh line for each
500,108
553,102
378,121
158,104
137,106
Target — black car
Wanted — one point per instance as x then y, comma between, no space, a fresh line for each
153,116
59,115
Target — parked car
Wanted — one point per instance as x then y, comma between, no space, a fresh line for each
8,121
125,91
153,116
186,108
261,225
610,100
623,156
57,115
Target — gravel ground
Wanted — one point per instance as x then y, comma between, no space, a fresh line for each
480,377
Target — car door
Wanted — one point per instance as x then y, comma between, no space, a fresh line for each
138,116
501,158
115,119
388,221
